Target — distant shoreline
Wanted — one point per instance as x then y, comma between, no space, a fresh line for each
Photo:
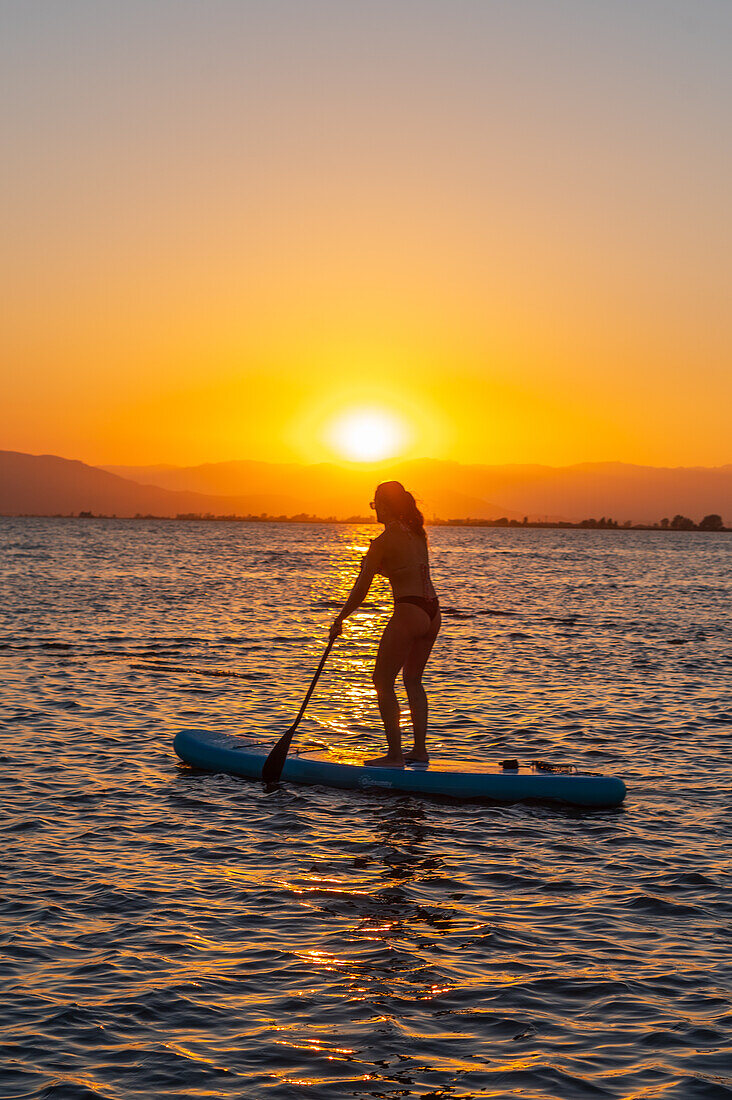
304,518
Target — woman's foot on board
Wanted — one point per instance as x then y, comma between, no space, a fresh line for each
416,758
385,762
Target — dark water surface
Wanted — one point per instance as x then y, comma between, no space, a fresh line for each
168,933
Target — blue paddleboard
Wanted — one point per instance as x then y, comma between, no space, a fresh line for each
223,752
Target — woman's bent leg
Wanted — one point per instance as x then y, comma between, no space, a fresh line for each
396,643
414,667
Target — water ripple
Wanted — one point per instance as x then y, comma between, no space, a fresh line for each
166,933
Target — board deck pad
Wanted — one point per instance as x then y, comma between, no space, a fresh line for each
237,755
436,764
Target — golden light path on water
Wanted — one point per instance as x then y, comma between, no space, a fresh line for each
202,935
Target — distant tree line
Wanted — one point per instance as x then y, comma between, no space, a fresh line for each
712,522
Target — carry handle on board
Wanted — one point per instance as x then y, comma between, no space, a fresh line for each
275,762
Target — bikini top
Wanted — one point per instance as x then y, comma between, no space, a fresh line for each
424,569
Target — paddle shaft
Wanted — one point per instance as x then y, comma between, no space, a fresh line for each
275,762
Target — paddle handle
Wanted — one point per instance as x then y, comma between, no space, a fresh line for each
275,762
311,689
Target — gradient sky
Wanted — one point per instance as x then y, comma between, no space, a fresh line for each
507,222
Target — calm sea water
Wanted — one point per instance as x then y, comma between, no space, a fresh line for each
168,933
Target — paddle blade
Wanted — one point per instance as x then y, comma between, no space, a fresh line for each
275,762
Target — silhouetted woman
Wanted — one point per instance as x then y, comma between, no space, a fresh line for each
400,554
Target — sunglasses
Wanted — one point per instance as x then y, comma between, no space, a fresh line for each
372,505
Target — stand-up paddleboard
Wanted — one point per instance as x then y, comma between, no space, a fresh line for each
223,752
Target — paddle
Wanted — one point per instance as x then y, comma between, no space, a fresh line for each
275,762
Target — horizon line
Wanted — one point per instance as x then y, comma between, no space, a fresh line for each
605,523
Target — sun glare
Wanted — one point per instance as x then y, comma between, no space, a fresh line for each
367,435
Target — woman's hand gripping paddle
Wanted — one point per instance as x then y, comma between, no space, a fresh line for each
275,762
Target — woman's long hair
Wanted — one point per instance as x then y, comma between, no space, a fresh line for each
403,505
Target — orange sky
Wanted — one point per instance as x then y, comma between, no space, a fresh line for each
228,222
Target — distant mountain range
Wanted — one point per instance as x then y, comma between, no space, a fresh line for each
45,485
49,485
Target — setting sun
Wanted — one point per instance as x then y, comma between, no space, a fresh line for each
367,435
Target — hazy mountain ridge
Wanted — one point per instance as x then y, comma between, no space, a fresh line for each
48,485
452,490
323,489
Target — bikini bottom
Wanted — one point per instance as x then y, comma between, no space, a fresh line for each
432,606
